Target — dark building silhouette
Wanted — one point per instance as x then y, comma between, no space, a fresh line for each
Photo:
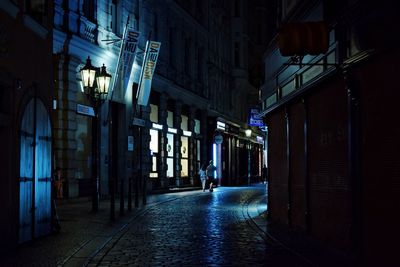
332,130
26,101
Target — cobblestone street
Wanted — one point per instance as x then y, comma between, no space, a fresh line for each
197,229
227,227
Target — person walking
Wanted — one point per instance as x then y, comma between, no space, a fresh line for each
203,176
264,172
210,174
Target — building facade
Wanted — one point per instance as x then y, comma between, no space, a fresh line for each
26,97
333,172
195,85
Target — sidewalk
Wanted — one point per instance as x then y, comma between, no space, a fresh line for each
82,233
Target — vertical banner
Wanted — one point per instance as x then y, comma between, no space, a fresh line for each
149,64
131,43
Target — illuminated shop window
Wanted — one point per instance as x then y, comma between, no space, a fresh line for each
197,156
184,171
198,150
154,152
154,173
170,155
154,141
185,155
170,144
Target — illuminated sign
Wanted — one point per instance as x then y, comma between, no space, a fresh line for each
254,118
221,125
172,130
187,133
157,126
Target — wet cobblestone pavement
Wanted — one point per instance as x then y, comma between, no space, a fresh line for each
227,227
207,229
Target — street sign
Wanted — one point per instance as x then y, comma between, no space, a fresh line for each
138,122
85,110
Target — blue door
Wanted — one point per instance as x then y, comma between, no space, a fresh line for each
35,172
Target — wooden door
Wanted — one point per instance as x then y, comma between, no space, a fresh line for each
26,173
42,171
35,172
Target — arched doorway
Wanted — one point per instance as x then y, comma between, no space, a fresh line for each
35,172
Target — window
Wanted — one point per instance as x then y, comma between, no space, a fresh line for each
185,155
198,150
196,126
37,9
170,119
154,113
184,123
115,23
154,141
89,9
154,152
170,155
197,153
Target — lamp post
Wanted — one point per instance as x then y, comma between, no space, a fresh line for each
248,135
95,84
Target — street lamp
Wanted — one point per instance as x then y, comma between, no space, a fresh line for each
248,132
248,135
95,84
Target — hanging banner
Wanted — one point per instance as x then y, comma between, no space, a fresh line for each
126,58
149,65
130,46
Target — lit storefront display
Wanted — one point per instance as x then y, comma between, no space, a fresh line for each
154,152
184,147
154,140
198,145
170,155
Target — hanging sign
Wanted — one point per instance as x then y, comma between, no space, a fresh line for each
146,75
254,118
218,139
